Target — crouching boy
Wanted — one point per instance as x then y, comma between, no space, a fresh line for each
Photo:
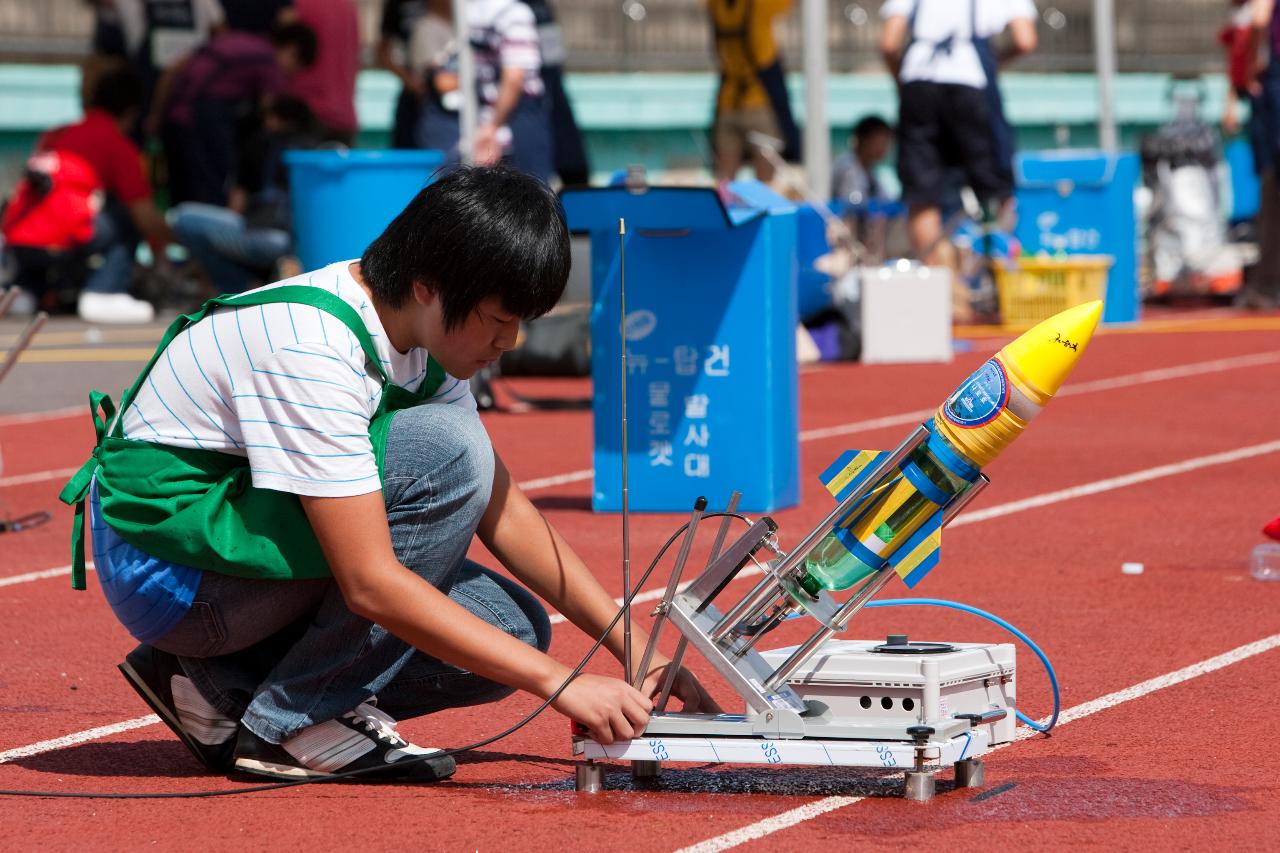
282,509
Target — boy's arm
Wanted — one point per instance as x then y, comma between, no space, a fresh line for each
353,533
534,551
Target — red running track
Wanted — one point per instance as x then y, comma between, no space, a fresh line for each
1180,767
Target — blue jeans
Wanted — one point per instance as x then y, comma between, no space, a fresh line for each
283,655
231,252
531,146
115,241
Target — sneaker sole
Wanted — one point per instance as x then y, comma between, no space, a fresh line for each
162,711
258,767
277,771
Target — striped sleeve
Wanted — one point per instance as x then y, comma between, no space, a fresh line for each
518,38
304,413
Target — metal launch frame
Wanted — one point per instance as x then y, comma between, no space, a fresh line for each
795,713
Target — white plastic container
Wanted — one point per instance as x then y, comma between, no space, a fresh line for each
1264,563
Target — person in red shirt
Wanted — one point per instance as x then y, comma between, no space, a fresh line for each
329,86
100,140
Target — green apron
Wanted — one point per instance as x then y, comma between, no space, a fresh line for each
199,507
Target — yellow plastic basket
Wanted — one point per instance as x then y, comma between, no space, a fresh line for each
1033,289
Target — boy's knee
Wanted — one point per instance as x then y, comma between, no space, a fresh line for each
444,447
538,634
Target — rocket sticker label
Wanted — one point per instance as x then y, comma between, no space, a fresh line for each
980,398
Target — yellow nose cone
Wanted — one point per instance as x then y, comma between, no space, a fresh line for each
1044,354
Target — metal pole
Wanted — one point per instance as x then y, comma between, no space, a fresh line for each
626,515
24,341
817,131
469,114
1104,49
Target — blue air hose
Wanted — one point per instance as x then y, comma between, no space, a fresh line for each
990,617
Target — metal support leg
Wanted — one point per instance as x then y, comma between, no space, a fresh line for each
919,786
588,777
646,770
970,773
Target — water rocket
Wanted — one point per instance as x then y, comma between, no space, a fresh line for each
900,522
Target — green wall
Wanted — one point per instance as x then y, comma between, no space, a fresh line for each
660,120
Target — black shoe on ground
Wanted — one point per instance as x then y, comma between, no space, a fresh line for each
160,681
364,739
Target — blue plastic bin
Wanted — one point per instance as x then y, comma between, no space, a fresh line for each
342,200
711,319
1245,196
1081,202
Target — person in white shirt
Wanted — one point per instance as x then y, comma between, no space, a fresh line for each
949,110
513,121
323,588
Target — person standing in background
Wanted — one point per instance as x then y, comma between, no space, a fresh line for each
152,36
513,122
399,20
1261,288
213,100
948,117
753,88
571,162
1236,38
329,86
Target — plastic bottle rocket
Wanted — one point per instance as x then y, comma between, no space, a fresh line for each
900,522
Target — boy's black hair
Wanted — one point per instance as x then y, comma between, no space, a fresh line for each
475,232
869,125
301,38
118,91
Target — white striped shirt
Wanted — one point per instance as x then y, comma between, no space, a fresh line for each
285,385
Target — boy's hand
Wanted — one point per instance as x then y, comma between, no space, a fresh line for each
610,708
686,688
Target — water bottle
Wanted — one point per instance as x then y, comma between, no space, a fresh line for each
1264,563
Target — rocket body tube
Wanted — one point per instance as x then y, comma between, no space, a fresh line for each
972,427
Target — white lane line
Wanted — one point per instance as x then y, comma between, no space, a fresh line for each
51,415
38,477
41,575
557,480
1125,381
1111,483
78,737
903,419
787,819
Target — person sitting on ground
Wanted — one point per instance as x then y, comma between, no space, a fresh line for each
86,194
209,104
257,482
853,177
246,240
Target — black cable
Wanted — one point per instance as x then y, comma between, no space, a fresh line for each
275,786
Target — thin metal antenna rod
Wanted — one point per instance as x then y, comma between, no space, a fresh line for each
626,515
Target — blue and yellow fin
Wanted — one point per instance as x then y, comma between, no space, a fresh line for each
849,470
919,554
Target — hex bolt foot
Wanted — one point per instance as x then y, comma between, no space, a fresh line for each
970,773
588,777
646,770
919,786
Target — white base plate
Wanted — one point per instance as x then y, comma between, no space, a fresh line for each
832,753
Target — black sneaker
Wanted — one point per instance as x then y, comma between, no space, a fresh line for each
364,739
160,681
